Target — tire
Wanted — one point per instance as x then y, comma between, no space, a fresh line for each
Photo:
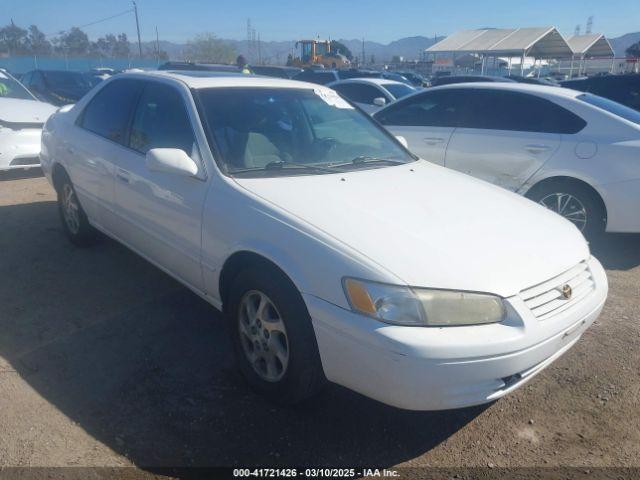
576,203
282,364
74,220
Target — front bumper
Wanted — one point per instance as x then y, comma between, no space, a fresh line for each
19,149
429,368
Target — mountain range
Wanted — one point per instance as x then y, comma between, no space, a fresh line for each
409,48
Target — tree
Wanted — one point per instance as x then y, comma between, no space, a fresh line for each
73,42
634,50
341,48
13,39
36,42
207,48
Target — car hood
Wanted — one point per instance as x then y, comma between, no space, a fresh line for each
16,110
433,227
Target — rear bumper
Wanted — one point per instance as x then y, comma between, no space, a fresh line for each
19,149
441,368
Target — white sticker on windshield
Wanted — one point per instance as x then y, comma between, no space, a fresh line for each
332,98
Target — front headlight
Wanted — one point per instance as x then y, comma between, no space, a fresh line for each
409,306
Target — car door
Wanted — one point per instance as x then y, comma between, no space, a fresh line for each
95,141
160,214
504,136
426,121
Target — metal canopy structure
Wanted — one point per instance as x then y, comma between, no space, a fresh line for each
545,42
590,45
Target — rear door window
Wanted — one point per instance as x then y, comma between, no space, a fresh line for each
109,111
515,111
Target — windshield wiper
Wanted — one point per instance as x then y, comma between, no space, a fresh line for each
282,165
366,159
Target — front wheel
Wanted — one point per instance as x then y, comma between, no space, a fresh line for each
273,338
575,203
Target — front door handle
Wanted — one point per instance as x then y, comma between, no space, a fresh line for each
535,149
433,140
123,175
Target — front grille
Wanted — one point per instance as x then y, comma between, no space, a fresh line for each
25,161
546,299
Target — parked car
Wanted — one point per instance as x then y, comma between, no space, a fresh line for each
21,119
371,94
324,76
57,87
624,89
396,77
275,71
549,81
451,79
202,67
334,252
575,153
416,79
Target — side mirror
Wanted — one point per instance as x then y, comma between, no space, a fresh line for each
379,101
402,140
171,160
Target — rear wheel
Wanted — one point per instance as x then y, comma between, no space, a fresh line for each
273,338
576,203
74,220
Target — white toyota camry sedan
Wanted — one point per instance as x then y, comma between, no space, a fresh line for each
335,253
574,152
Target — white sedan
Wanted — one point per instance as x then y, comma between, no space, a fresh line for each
21,119
574,152
371,94
334,253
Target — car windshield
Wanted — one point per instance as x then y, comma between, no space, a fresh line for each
286,131
611,107
398,90
9,88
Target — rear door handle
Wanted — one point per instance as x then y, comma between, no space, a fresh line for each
433,140
123,175
537,148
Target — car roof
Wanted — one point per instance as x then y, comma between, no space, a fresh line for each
511,86
371,81
204,79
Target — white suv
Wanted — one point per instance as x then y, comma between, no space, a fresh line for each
335,253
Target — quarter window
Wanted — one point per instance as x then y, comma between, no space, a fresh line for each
109,111
161,121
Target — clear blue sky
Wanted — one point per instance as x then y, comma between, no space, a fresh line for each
378,20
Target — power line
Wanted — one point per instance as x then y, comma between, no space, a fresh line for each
94,22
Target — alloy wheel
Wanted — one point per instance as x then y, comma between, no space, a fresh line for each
263,336
70,209
568,206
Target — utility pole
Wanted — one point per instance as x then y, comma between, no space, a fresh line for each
364,61
135,9
157,46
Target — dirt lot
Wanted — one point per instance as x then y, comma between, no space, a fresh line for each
106,361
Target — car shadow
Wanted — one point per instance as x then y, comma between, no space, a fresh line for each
146,367
20,174
618,251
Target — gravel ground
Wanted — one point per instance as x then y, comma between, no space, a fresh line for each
106,361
